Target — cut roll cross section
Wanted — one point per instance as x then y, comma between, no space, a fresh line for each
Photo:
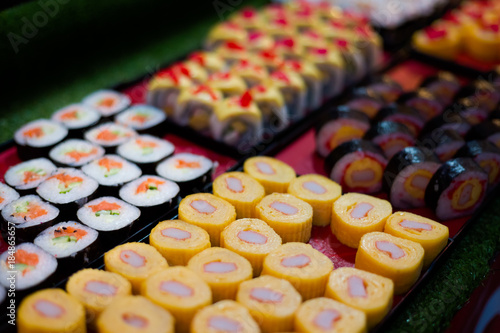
273,174
224,316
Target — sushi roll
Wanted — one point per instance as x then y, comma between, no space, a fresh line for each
75,153
191,172
370,44
270,172
402,114
383,88
77,118
487,155
423,101
365,103
7,195
210,61
164,89
30,215
224,316
357,166
439,39
472,112
225,32
36,138
338,126
251,71
407,175
293,89
143,118
109,136
444,143
488,130
330,63
279,27
312,77
232,52
33,268
111,172
272,106
391,136
26,176
450,119
107,102
270,58
146,151
457,188
353,59
227,83
290,48
444,86
482,38
259,40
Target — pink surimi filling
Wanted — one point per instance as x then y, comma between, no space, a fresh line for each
266,295
284,208
419,226
361,210
224,324
265,168
219,267
314,187
48,309
391,249
362,176
252,237
326,319
393,149
356,286
203,207
100,288
300,260
135,320
234,184
465,195
132,258
420,182
176,233
176,288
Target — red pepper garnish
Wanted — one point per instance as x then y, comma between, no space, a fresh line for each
234,46
246,99
255,35
320,51
248,12
450,17
281,21
269,54
168,73
435,33
281,76
342,43
220,76
198,58
312,34
206,89
293,64
363,31
260,88
288,42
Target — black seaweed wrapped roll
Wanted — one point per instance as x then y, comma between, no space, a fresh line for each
487,155
390,136
402,114
444,143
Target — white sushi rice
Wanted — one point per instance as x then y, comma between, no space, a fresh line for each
31,276
172,168
121,102
123,134
60,153
128,171
65,249
133,151
164,192
16,175
54,191
84,116
7,195
108,222
152,117
52,133
9,211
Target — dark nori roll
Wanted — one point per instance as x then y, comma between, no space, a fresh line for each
77,118
402,114
38,137
483,93
423,101
471,110
457,188
444,86
487,155
144,119
444,143
390,136
384,88
488,130
365,103
146,151
450,119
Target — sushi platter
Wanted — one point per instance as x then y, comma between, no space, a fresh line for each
304,174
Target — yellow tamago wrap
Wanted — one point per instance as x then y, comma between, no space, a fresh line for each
433,236
398,259
50,311
96,289
323,315
289,216
135,262
318,191
273,174
179,291
253,239
272,302
356,214
222,269
367,292
224,316
304,267
208,212
241,191
446,47
481,42
178,241
131,314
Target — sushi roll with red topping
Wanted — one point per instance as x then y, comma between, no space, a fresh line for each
483,94
258,40
36,138
232,52
293,89
210,61
471,110
271,104
251,71
143,118
225,32
487,155
26,176
329,61
488,130
392,137
365,102
227,83
107,102
109,136
384,88
75,153
146,151
312,77
77,118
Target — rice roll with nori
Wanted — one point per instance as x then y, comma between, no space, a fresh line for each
7,195
109,135
26,176
457,188
357,165
385,89
312,77
107,102
75,152
367,104
483,93
402,114
37,137
487,155
392,137
488,130
146,151
407,175
293,88
444,143
143,118
424,102
444,86
471,110
450,119
77,118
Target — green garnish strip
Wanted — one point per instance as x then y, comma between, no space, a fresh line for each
71,186
107,212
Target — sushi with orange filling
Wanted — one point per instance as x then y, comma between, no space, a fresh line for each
77,118
401,114
364,101
392,137
107,102
75,153
36,138
145,119
146,151
487,155
424,101
384,88
483,93
26,176
109,136
225,32
444,143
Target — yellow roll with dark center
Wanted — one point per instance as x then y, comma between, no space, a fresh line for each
398,259
135,262
133,314
253,239
223,317
306,268
272,302
178,241
241,191
289,216
96,289
273,174
179,291
367,292
208,212
356,214
222,269
50,310
433,236
322,315
318,191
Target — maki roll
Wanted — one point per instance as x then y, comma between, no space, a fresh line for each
109,136
224,316
357,166
483,94
251,71
75,153
111,172
232,52
165,87
191,172
270,58
383,88
488,130
449,120
471,110
37,137
354,64
273,174
29,215
392,137
143,118
227,83
223,32
7,195
407,175
424,102
402,114
457,188
444,86
258,40
146,151
444,143
365,103
293,89
330,63
440,39
338,126
107,102
312,78
487,155
26,176
77,118
71,243
271,104
210,61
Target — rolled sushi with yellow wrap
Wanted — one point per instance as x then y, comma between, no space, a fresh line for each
227,83
224,316
225,32
271,104
293,89
272,173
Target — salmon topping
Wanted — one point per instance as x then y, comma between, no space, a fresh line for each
109,164
67,180
29,210
139,118
25,261
107,135
77,155
107,102
104,205
149,184
146,144
180,164
35,132
69,115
